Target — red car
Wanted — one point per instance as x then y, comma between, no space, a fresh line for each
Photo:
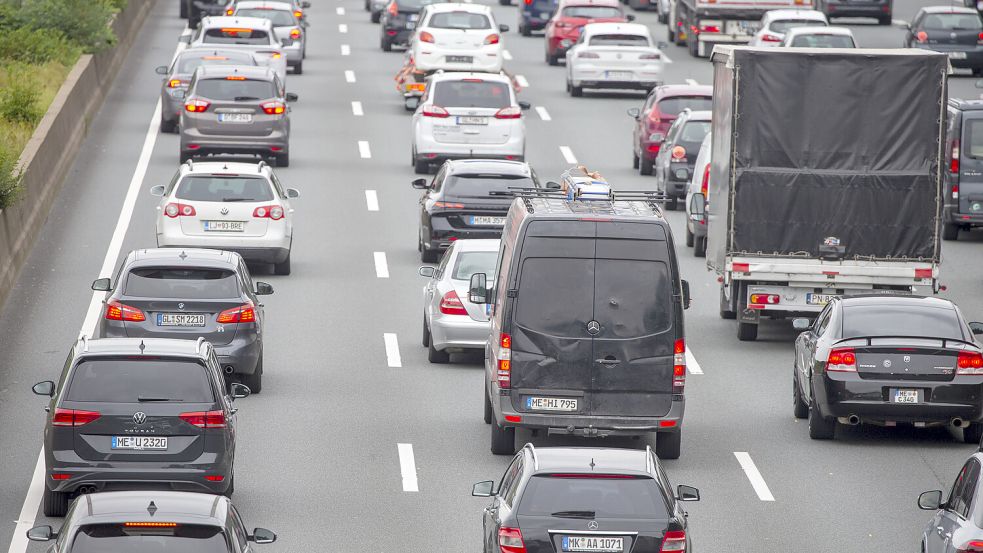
661,107
564,27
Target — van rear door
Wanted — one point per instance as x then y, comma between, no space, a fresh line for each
971,165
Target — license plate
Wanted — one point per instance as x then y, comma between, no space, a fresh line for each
413,17
905,396
619,75
554,404
471,120
140,442
957,55
819,299
228,226
180,319
235,118
459,59
592,543
487,220
410,25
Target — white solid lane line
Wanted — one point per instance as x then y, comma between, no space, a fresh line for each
349,76
346,50
392,350
371,200
357,109
522,81
407,467
342,28
757,482
691,363
363,149
691,82
381,267
543,114
568,154
506,55
339,10
28,511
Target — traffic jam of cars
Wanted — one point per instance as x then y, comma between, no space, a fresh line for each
789,183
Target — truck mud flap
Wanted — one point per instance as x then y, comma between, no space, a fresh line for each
749,316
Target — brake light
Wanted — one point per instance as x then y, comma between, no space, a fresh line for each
765,299
60,476
650,57
954,160
969,362
204,419
175,83
195,105
592,476
173,210
979,39
150,524
705,186
511,112
295,34
975,546
451,304
709,28
588,56
492,39
673,540
298,14
235,78
73,417
654,147
955,191
116,311
921,37
510,540
448,205
741,267
841,360
274,212
273,108
243,314
392,9
426,37
770,38
678,152
435,111
528,2
923,273
504,360
678,366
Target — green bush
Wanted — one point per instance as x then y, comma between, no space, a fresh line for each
19,100
37,46
10,180
84,22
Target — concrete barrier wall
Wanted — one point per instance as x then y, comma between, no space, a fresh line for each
53,147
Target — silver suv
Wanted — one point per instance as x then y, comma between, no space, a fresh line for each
236,110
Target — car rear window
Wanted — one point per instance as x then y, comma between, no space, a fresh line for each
127,380
176,283
952,21
279,18
694,131
117,538
633,498
480,186
785,24
973,138
472,93
823,41
459,20
555,295
469,263
234,90
674,105
900,320
235,35
619,40
190,62
592,12
224,189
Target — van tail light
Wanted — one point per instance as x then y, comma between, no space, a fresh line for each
295,34
492,39
650,57
955,191
979,39
758,301
511,112
510,540
969,362
974,546
435,111
678,367
588,56
273,108
73,417
842,360
274,212
426,37
921,36
678,152
767,37
505,363
451,304
674,540
195,105
954,159
393,9
204,419
116,311
705,186
245,313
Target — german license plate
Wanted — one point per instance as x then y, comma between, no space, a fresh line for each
957,55
226,226
235,117
592,544
554,404
819,299
619,75
180,319
140,442
459,59
471,120
905,396
413,17
487,220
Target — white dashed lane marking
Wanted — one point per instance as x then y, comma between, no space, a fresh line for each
346,50
407,468
506,55
363,149
543,114
568,154
392,350
349,75
339,10
342,28
757,482
371,200
381,267
357,109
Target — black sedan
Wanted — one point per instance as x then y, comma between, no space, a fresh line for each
676,159
953,30
399,19
958,521
889,359
468,198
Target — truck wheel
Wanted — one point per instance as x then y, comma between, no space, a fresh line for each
700,247
820,428
502,439
689,237
799,407
747,332
488,409
950,232
726,309
973,433
667,444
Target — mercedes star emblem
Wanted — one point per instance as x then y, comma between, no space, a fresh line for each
139,417
224,211
592,525
593,328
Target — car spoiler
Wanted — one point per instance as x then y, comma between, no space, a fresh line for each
945,341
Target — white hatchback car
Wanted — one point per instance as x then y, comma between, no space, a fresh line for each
240,207
614,55
450,321
776,23
457,37
251,34
696,220
286,26
468,115
818,37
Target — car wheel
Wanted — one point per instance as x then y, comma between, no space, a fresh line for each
634,161
886,20
667,444
645,167
375,16
368,5
437,356
973,433
552,60
426,333
664,18
169,127
232,486
505,2
747,332
820,428
282,268
488,408
576,91
726,309
55,503
700,246
255,381
299,69
689,237
799,407
950,231
672,35
502,439
283,160
525,30
385,45
694,47
421,167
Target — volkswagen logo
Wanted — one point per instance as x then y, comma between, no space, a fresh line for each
887,362
139,417
224,211
907,359
593,328
592,525
180,306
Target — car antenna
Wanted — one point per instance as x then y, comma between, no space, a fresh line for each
183,255
151,508
142,347
592,463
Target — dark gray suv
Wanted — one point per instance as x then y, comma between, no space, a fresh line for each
136,413
190,294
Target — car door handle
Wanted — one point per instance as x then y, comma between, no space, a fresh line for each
607,361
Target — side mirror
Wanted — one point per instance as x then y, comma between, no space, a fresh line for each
41,533
411,103
478,291
45,388
161,70
801,323
697,207
634,113
420,183
263,289
262,535
687,300
503,28
293,193
101,285
930,501
157,190
292,97
524,105
427,271
483,489
552,185
630,18
977,328
661,45
240,391
687,493
180,94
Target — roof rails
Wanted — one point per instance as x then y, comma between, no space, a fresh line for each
535,459
84,341
198,344
190,164
260,165
649,463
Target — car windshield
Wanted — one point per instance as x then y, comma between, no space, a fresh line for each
279,18
117,538
481,185
235,35
952,22
695,131
175,283
674,105
973,138
553,495
190,61
233,90
472,93
823,41
900,320
459,20
201,188
619,40
469,263
133,379
592,12
783,25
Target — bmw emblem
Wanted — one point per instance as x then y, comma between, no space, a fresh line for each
180,306
139,417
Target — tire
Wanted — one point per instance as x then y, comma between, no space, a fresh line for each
283,160
385,45
820,428
886,20
726,309
502,439
375,17
524,30
368,5
426,333
299,68
672,35
950,231
645,166
672,204
664,18
232,486
667,444
689,238
552,60
576,91
747,332
182,9
254,381
973,433
436,356
421,167
700,247
282,268
488,408
55,503
429,256
634,161
169,127
799,407
694,47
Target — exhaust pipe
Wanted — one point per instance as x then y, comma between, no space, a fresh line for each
229,369
959,423
852,420
86,490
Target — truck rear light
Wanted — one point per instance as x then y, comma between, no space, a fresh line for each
273,108
451,304
765,299
954,157
205,419
245,313
116,311
923,273
678,366
73,417
274,212
195,105
504,360
511,112
510,540
741,267
768,37
673,540
492,39
709,28
678,152
841,360
969,362
426,37
435,111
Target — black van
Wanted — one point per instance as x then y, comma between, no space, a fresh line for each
963,190
587,323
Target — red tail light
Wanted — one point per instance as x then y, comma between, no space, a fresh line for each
273,108
528,2
295,34
770,38
588,56
116,311
678,152
954,157
979,39
765,299
741,267
923,273
654,147
451,304
841,360
705,186
426,37
678,366
969,362
921,36
73,417
510,540
214,477
195,105
511,112
435,111
448,205
243,314
274,212
205,419
176,83
504,361
492,39
393,9
709,29
674,540
975,546
60,476
173,210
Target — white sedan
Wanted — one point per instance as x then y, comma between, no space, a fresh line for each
776,23
819,37
240,207
613,56
457,37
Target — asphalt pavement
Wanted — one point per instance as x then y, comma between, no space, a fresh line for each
357,443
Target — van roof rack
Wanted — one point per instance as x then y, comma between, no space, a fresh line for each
649,464
532,450
653,198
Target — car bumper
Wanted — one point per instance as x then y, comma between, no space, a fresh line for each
273,247
482,62
442,238
676,188
593,76
587,425
870,400
427,148
534,23
242,353
401,36
960,56
167,475
950,215
193,142
294,52
170,107
457,332
859,9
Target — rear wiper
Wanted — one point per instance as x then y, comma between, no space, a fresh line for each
573,514
238,199
150,398
244,98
